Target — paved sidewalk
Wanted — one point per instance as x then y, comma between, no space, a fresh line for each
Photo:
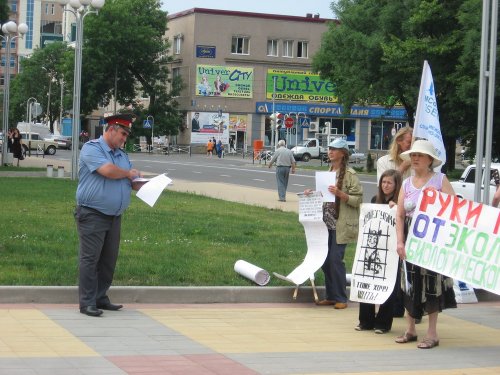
238,339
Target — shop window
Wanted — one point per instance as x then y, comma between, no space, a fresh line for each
382,133
240,45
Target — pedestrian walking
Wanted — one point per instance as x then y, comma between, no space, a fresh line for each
283,157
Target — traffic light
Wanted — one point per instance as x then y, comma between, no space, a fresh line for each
277,120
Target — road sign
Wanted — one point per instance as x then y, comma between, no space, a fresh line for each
147,124
304,122
289,122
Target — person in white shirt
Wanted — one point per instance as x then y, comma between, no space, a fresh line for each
400,143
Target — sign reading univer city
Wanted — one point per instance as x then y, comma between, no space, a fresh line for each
457,238
224,81
299,85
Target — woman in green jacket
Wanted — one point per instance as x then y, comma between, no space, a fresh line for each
341,218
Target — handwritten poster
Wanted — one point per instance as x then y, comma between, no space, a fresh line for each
457,238
375,265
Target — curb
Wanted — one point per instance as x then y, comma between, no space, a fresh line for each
186,294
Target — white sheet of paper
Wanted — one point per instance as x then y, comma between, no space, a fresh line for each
151,190
323,180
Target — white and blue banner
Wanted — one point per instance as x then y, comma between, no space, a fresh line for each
427,116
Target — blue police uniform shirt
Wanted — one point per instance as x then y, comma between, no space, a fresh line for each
111,197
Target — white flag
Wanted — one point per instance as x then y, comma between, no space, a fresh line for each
427,116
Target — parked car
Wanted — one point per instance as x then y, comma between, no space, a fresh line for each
63,141
464,187
34,141
355,156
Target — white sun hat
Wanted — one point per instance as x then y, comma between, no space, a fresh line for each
423,146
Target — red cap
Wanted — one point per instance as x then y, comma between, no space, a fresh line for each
124,120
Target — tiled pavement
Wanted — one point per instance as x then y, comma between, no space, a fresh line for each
290,338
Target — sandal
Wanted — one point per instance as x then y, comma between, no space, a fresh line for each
428,343
407,337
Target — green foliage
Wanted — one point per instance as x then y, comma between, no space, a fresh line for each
46,68
123,43
375,54
137,56
184,240
4,11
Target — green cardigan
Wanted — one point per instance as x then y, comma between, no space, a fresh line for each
348,221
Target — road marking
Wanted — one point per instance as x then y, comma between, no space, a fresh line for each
258,179
225,175
298,185
196,172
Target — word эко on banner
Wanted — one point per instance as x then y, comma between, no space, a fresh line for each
456,237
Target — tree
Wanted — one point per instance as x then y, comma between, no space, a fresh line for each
130,50
135,57
4,11
42,74
466,79
376,53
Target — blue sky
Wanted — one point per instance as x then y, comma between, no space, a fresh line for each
286,7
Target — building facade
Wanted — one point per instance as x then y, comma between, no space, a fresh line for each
21,11
239,67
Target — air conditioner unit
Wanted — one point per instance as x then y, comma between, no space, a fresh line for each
313,126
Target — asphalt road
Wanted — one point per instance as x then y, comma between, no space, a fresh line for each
230,170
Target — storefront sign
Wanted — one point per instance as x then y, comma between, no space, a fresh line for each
298,85
332,110
224,81
205,52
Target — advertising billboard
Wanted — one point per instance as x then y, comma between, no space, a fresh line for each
224,81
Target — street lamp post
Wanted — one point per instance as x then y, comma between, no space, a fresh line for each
152,122
29,112
81,8
9,30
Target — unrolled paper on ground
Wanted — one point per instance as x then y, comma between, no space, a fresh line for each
311,217
252,272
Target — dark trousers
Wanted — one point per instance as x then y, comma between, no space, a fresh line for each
282,175
334,270
99,236
382,319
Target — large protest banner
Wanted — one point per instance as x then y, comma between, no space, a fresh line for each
375,265
457,238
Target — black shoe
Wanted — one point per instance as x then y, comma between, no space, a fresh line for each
110,306
90,311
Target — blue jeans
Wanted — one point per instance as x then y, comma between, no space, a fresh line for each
334,270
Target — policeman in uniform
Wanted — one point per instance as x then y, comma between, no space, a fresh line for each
103,194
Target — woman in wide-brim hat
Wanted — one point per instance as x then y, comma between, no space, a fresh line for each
431,292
